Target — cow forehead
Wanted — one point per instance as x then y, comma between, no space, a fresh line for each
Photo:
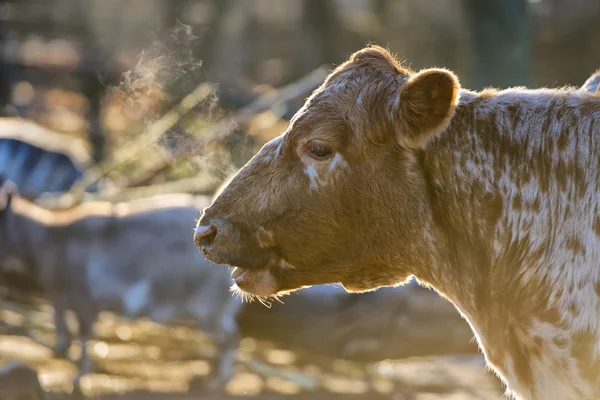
331,98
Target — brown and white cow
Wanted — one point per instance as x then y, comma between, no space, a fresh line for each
492,198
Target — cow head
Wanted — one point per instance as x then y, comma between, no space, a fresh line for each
339,197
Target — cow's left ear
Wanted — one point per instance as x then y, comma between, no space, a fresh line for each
425,106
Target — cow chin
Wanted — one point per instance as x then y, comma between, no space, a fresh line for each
258,282
275,280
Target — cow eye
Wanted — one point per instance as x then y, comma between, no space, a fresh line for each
319,151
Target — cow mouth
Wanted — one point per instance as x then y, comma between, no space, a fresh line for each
256,281
254,272
237,272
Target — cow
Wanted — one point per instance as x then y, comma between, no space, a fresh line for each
489,197
102,256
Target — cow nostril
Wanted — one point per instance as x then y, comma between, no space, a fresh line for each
205,235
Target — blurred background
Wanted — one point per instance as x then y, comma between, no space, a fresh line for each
121,100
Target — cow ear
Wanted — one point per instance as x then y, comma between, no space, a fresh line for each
592,85
425,106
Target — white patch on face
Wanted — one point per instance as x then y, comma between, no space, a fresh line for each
338,161
321,174
312,174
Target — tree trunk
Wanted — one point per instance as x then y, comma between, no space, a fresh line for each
501,43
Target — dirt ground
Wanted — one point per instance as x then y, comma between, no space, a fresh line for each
144,360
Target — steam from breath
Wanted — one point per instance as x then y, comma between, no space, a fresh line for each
165,73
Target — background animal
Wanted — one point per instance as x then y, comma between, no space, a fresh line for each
122,257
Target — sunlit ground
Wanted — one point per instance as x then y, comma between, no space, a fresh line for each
142,355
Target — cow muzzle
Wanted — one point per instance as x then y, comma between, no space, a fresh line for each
225,243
